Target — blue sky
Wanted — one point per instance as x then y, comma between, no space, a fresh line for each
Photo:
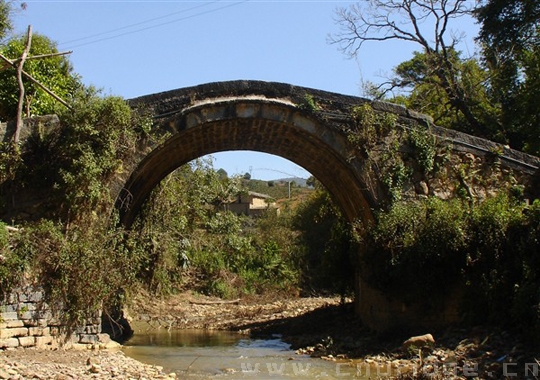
132,48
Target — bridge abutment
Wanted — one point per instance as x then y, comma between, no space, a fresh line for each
382,313
27,320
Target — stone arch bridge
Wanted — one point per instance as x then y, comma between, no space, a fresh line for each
348,143
365,153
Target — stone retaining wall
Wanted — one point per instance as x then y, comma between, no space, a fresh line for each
26,320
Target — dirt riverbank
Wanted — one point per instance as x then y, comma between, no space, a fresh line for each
321,327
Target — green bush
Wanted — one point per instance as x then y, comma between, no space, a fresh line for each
503,281
82,269
325,246
4,239
12,263
207,247
424,249
416,249
80,256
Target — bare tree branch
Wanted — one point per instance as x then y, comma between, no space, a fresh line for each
406,20
411,21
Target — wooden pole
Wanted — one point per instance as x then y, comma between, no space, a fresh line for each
21,84
48,55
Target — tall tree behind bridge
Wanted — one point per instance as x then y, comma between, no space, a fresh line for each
424,23
510,38
483,97
6,25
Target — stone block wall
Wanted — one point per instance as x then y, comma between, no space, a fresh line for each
26,320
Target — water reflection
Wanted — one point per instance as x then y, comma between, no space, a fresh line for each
202,354
184,338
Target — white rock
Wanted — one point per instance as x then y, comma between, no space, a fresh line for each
419,341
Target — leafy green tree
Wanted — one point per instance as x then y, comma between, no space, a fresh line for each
7,9
510,39
56,73
5,18
525,133
427,94
508,28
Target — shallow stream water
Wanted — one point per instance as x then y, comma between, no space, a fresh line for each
201,354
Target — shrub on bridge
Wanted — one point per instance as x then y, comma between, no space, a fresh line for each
96,137
73,164
416,250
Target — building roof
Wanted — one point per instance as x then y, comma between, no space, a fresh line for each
259,195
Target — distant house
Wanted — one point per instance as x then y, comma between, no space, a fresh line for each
252,204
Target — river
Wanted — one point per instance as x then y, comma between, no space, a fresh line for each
202,354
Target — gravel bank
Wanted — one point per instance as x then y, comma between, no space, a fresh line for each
60,364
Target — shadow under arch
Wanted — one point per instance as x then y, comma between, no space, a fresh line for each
273,126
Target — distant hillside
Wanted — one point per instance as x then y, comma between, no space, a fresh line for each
300,182
279,188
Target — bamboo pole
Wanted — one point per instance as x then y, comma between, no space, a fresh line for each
48,55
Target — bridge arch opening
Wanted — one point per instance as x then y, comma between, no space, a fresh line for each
261,125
